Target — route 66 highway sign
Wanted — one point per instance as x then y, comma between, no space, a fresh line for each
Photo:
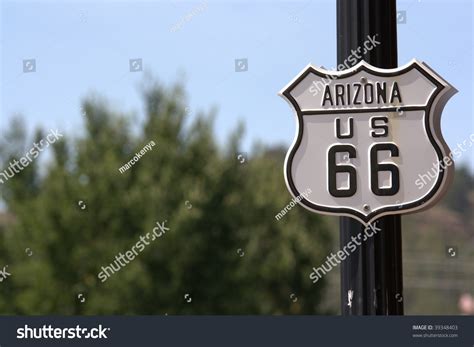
363,137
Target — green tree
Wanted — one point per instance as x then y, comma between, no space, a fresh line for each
225,249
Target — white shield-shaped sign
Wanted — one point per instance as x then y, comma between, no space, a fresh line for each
366,140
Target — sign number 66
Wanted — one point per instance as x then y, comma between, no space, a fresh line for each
375,168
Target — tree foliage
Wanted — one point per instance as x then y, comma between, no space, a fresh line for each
225,249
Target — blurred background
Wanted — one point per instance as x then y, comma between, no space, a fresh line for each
199,79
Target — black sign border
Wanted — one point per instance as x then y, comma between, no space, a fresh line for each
398,209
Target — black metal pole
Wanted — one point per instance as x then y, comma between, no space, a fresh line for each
371,278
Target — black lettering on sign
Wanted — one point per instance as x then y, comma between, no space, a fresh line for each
375,168
334,169
349,133
327,96
395,93
356,95
339,94
368,95
376,126
381,92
